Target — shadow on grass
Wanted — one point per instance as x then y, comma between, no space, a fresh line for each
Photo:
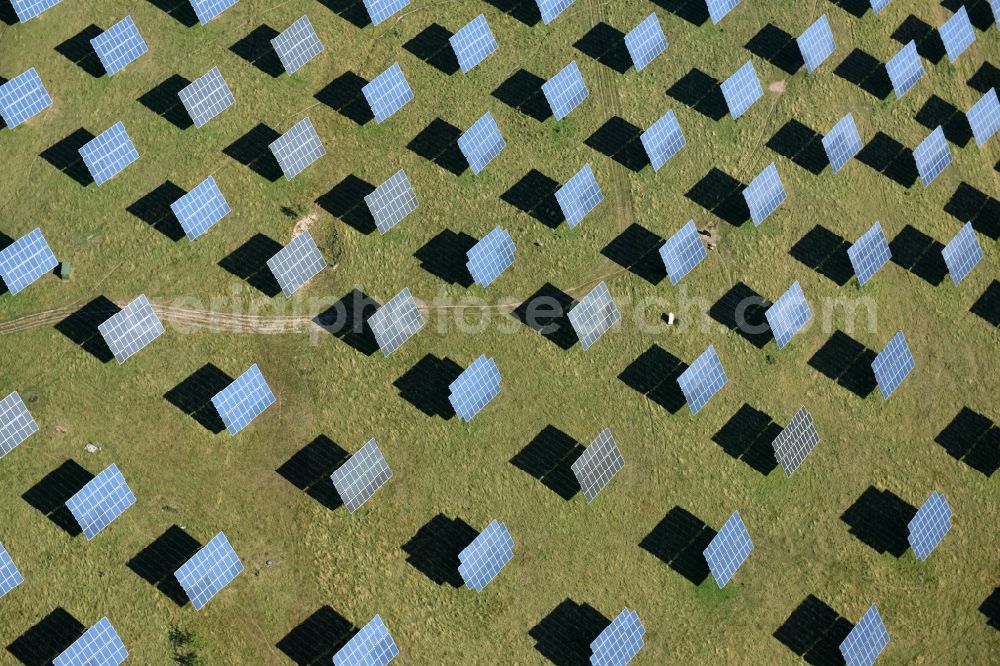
50,494
434,549
157,562
549,457
679,540
310,468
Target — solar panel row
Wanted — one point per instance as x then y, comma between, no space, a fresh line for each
930,525
598,464
550,9
932,156
297,148
728,550
210,570
702,380
99,646
580,195
717,9
594,315
474,388
481,143
682,252
905,69
842,143
867,639
764,194
962,253
396,322
957,34
23,97
10,577
101,501
131,329
473,43
742,89
645,42
358,479
489,552
16,423
663,140
243,400
984,117
119,45
565,91
892,365
788,315
816,44
795,441
296,263
869,253
380,10
206,97
29,9
206,10
620,642
491,256
25,260
372,646
391,201
387,93
107,154
297,44
201,208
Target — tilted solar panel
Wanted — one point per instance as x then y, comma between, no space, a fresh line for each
879,5
210,570
380,10
107,154
816,44
995,6
795,441
392,201
99,646
358,478
594,315
682,252
206,10
396,322
663,140
962,253
131,329
490,257
119,45
201,208
842,143
10,577
869,253
929,526
717,9
473,43
481,143
866,641
244,400
788,315
387,93
742,89
474,388
565,91
580,195
550,9
892,365
297,44
905,69
23,97
16,423
764,194
101,501
620,641
728,550
25,260
372,646
645,42
703,379
206,97
297,148
29,9
932,156
957,34
598,464
482,560
984,117
296,263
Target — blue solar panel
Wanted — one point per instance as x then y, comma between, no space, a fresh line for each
866,641
396,322
29,9
594,315
869,253
10,577
962,253
25,260
663,140
119,45
742,89
206,10
296,263
984,117
645,42
565,91
703,379
491,256
16,423
682,252
718,9
473,43
99,646
380,10
788,315
932,156
995,6
764,194
206,97
242,401
107,154
816,44
842,143
387,93
579,196
930,525
482,560
957,34
297,44
618,644
892,365
905,69
474,388
22,97
550,9
372,646
879,5
131,329
201,208
297,148
728,550
101,501
211,569
481,143
392,201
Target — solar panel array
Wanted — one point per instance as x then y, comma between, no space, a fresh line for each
550,9
929,526
473,43
717,9
879,5
842,143
892,365
358,478
932,156
10,577
201,208
16,423
620,641
396,322
788,315
580,195
392,201
598,464
764,194
209,570
25,260
29,9
645,42
565,91
297,148
206,97
682,252
728,550
703,379
23,97
481,143
101,501
491,256
594,315
962,253
243,400
482,560
206,10
474,388
742,89
663,140
107,154
866,641
984,117
957,34
372,646
297,44
119,45
131,329
380,10
99,646
905,69
795,441
816,44
869,253
296,263
387,93
995,6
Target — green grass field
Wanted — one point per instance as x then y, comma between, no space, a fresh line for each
304,560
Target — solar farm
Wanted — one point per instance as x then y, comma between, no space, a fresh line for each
499,332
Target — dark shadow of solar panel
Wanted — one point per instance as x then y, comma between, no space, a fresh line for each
929,44
879,519
163,100
937,112
802,145
522,91
346,202
991,609
317,638
679,540
8,16
47,639
890,158
525,11
606,45
866,72
438,143
549,458
5,241
434,549
81,327
154,209
777,47
253,150
620,140
986,78
157,562
248,262
432,46
847,362
179,10
352,11
310,468
826,253
701,92
856,8
193,396
547,312
78,50
65,156
694,12
980,14
49,495
920,254
654,374
742,310
564,635
256,49
444,257
535,194
987,305
973,439
425,386
814,631
747,436
637,249
347,320
722,195
344,96
968,204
